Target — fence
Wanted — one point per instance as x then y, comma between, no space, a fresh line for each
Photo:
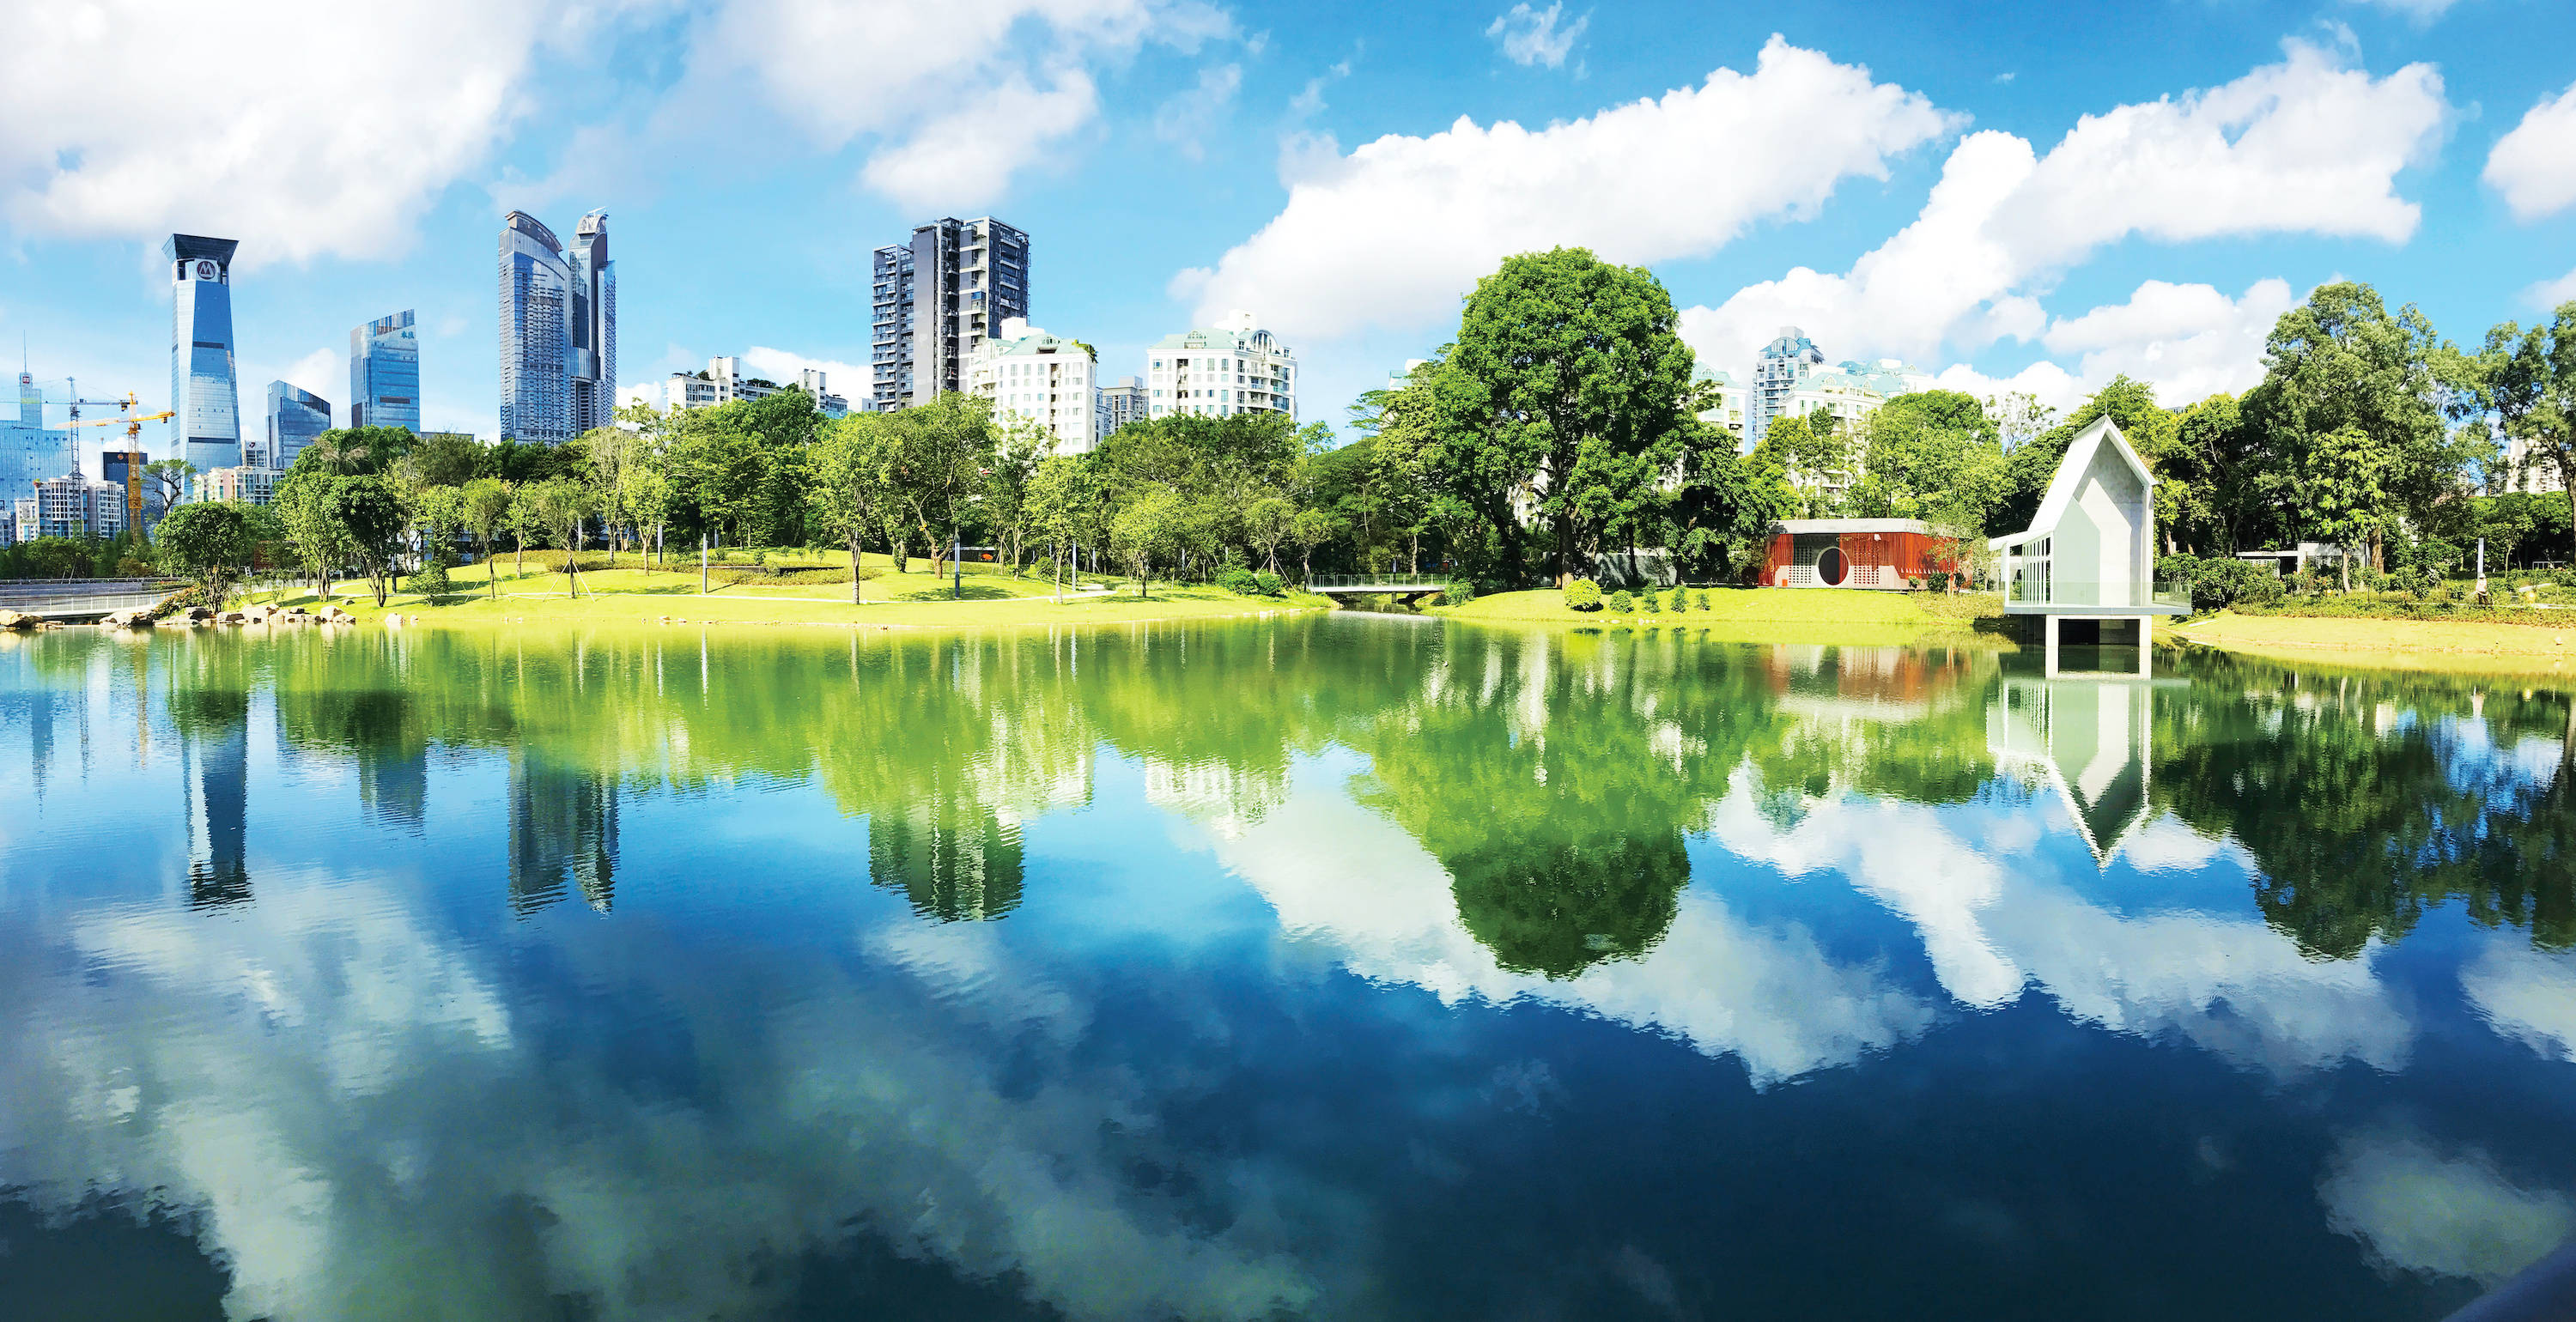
1376,583
2027,589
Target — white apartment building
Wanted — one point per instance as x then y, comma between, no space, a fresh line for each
73,506
250,484
724,382
2526,471
1121,404
1231,369
1032,376
1729,410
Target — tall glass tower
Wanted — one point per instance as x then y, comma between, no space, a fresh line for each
295,417
202,391
536,333
594,326
384,374
29,453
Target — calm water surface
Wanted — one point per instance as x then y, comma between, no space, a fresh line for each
1336,968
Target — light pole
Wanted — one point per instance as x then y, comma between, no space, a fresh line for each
702,564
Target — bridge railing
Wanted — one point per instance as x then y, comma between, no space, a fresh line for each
65,604
1376,583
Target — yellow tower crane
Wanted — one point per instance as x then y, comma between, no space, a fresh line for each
133,425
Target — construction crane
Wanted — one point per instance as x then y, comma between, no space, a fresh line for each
133,424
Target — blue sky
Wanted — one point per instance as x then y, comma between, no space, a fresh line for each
2019,196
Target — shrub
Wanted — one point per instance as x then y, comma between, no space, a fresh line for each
1650,602
1238,580
1269,584
1583,594
1621,602
1458,593
1699,599
430,580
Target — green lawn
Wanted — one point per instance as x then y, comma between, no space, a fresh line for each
916,599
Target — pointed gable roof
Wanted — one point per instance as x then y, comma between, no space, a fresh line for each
2070,474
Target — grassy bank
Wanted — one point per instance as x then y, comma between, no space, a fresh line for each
2433,645
990,598
1860,619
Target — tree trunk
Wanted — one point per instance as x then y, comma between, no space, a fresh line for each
855,599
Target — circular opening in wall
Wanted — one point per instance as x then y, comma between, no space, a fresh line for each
1831,568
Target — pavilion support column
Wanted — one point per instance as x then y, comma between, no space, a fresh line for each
2146,647
2048,632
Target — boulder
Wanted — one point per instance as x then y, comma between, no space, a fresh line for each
335,615
10,619
232,617
201,615
394,620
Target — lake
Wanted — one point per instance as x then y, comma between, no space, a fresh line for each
1329,967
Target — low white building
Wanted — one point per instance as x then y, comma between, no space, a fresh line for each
249,484
2090,551
1728,410
1229,369
1032,376
724,382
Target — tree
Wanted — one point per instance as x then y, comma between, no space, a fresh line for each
371,519
355,451
1932,455
165,484
2531,381
303,504
848,491
1147,532
936,460
208,541
561,505
1063,508
1568,392
1268,523
2340,491
1310,529
485,508
1006,486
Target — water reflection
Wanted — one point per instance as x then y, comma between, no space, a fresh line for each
1316,935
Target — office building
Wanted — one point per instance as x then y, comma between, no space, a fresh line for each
207,431
1232,368
558,330
936,298
1121,404
123,470
384,374
295,417
249,484
1034,377
29,450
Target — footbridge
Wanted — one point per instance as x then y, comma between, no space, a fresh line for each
1409,586
82,599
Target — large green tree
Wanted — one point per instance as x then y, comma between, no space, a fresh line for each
2531,383
936,457
849,493
209,541
1568,394
373,524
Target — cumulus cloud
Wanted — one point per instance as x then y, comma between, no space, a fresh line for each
1393,233
966,157
2422,11
2525,994
133,118
2303,146
2551,293
2534,166
2417,1208
1531,36
2189,341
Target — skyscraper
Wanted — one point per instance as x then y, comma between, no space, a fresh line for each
29,453
384,375
1786,363
594,326
937,298
202,390
558,330
295,417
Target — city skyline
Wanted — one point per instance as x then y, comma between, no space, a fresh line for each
1897,185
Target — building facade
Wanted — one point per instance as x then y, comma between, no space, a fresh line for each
1230,369
558,330
203,392
724,382
384,374
123,469
1729,404
1121,404
70,505
935,299
295,417
1034,377
30,451
249,484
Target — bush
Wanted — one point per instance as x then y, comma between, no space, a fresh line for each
1238,580
1458,593
1583,594
1699,599
1621,603
1650,602
1269,584
430,580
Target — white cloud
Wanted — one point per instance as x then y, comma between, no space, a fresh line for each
2526,995
2551,293
1531,36
2422,11
967,94
323,371
2304,146
846,379
304,128
2417,1209
1187,116
2534,166
1393,233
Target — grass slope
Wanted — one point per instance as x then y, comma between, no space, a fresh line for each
2474,647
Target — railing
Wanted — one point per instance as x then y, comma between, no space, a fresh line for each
61,597
101,604
1376,583
2041,590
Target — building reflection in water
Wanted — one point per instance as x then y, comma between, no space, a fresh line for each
563,831
214,756
2090,738
954,862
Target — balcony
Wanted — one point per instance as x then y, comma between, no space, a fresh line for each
2031,591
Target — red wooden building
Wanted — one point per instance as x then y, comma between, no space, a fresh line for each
1878,554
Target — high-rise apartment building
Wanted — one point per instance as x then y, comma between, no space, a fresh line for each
1121,404
29,451
558,330
936,298
1784,365
202,391
1232,368
1034,377
384,374
123,470
295,417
